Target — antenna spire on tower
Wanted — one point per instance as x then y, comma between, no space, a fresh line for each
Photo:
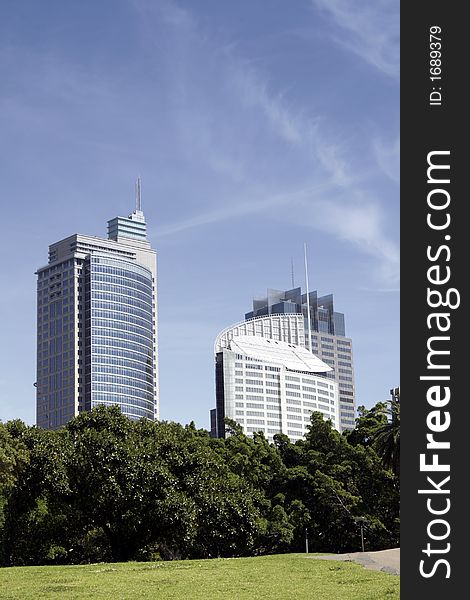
138,195
309,326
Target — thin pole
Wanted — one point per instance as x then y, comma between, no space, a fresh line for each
306,541
308,300
138,195
362,537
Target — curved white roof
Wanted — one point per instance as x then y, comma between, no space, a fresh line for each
295,358
285,327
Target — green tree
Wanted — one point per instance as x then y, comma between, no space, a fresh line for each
14,459
367,423
35,528
105,488
336,481
386,437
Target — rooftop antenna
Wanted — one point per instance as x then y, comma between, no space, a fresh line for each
292,271
308,300
138,195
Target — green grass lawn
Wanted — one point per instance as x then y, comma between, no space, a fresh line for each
283,577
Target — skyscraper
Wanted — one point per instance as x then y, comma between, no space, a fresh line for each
266,380
327,340
97,324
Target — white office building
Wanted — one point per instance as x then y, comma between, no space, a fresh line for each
327,340
266,380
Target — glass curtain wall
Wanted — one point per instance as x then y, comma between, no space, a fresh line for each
119,336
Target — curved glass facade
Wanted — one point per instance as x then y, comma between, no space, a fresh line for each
119,338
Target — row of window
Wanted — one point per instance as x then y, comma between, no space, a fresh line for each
56,397
136,316
54,346
124,350
142,373
111,327
291,405
120,338
121,298
306,388
128,408
293,433
239,365
109,267
256,398
124,278
256,374
251,366
55,269
293,386
291,397
123,381
123,391
57,380
121,286
139,362
131,305
249,381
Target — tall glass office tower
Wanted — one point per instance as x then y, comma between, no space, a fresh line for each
97,324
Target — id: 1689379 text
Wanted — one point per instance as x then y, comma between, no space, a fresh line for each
435,65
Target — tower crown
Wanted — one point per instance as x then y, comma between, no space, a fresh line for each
133,226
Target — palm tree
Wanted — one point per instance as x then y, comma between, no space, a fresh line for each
386,438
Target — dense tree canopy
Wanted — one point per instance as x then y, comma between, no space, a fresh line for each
106,488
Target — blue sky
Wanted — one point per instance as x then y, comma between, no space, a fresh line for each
255,126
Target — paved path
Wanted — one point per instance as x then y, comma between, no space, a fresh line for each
387,561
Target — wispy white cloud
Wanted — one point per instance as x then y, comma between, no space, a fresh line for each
331,188
369,29
252,91
388,157
361,222
233,208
